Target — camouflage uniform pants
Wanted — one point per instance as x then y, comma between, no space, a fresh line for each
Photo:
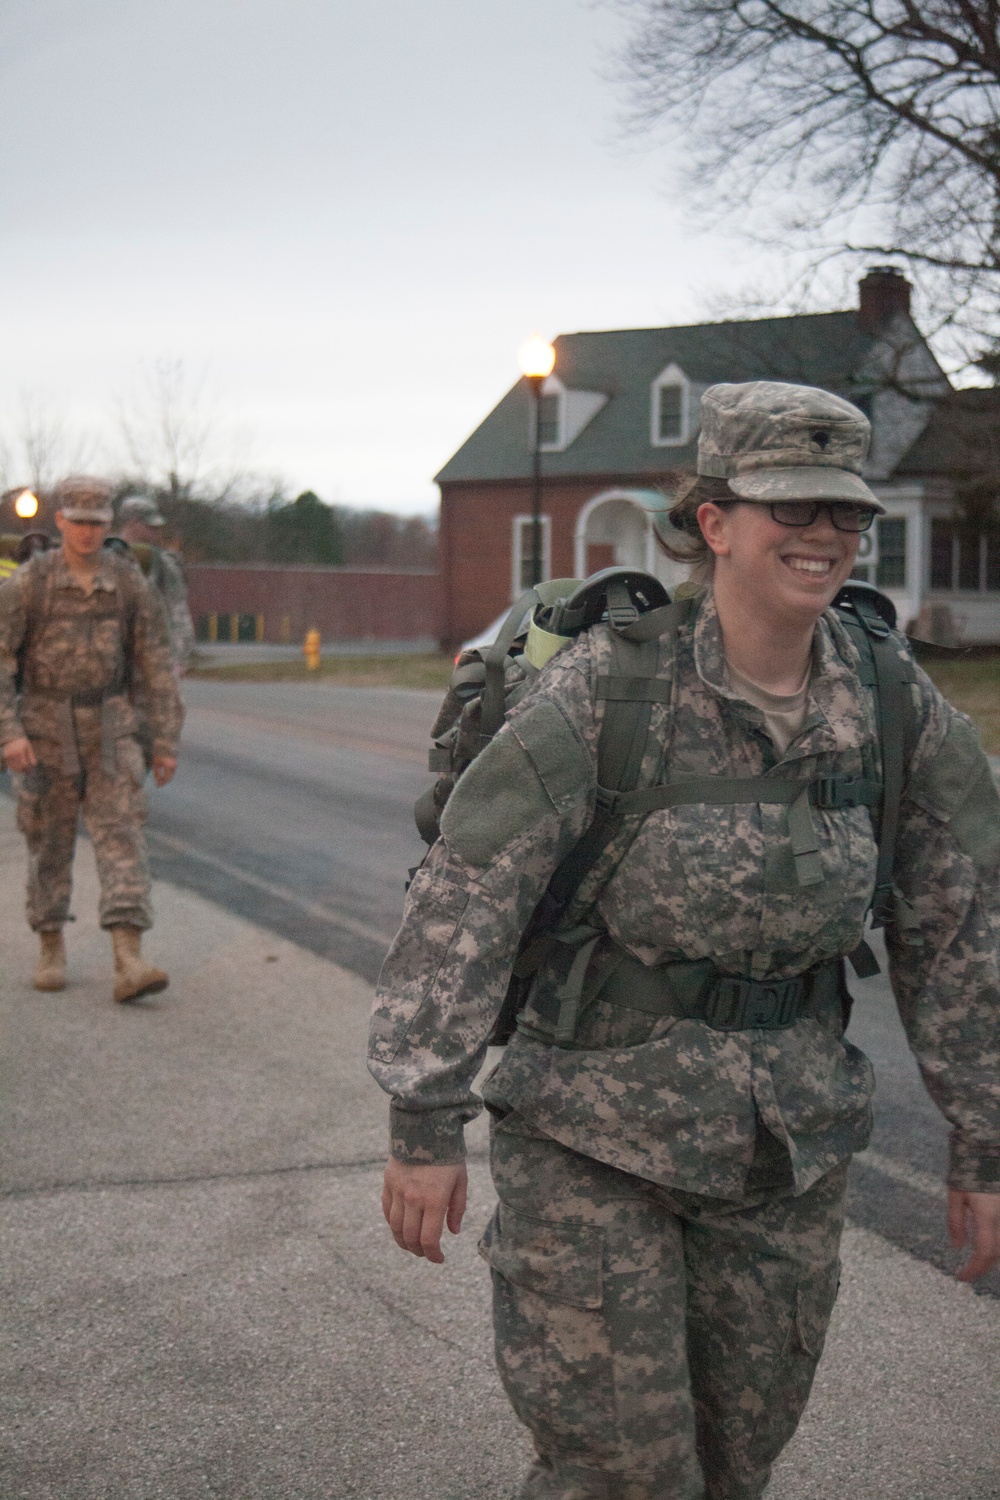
49,804
659,1345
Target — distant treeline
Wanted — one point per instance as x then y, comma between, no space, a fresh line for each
303,530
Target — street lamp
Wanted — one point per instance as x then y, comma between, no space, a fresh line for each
26,505
537,358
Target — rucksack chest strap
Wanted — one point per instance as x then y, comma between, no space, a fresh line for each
830,793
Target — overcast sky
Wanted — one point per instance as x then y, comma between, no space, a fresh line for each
343,217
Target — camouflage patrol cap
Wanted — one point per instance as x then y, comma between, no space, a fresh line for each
82,497
772,441
138,508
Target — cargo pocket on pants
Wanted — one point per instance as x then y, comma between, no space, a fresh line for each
553,1348
796,1367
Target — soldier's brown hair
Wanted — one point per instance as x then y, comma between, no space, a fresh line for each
685,543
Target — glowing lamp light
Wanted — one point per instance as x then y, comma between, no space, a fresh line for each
26,505
536,357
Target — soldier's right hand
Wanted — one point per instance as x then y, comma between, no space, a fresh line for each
18,756
417,1199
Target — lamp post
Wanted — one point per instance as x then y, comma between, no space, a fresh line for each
22,501
537,360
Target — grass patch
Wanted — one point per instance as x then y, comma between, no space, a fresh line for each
972,683
427,670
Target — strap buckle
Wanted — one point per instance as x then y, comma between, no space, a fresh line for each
734,1004
835,793
620,616
607,800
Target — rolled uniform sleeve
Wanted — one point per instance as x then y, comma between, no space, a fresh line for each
515,813
945,949
13,623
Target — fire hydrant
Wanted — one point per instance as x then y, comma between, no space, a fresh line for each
310,648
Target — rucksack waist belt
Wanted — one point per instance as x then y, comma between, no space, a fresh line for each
690,990
698,991
65,704
92,698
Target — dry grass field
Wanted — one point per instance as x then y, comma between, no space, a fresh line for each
972,683
405,671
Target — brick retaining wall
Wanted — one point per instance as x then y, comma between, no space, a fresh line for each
344,604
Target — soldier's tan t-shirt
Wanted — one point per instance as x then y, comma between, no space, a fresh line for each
784,713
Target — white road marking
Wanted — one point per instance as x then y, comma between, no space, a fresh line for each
898,1171
312,908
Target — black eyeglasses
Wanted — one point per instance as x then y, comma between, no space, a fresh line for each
844,516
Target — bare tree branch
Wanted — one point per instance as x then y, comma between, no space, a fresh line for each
871,124
177,440
38,446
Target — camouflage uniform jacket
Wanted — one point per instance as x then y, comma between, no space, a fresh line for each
168,577
671,1100
76,647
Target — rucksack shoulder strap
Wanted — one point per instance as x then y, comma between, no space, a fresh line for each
629,693
39,569
870,618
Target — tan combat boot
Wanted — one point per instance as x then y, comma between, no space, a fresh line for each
50,972
133,976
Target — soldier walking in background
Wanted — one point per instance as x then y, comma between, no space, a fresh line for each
80,632
140,523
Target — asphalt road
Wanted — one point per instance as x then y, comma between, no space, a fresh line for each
201,1299
293,808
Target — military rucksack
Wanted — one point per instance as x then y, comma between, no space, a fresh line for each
144,553
486,683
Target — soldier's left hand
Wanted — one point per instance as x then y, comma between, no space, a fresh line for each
164,767
983,1209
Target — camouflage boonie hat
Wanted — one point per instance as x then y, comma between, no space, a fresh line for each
772,441
82,497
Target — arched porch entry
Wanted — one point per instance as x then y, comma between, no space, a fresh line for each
615,529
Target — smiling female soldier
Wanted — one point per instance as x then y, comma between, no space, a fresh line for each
671,1165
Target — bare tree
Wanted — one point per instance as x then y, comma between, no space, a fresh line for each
177,440
866,126
38,446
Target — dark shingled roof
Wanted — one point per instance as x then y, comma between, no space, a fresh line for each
962,436
823,349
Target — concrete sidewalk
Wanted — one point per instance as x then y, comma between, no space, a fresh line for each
201,1299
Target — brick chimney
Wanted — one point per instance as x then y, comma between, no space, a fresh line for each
882,292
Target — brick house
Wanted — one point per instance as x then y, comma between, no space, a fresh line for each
619,418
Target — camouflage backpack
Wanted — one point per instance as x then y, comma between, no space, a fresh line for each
485,684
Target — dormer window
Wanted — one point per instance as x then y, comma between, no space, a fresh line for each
670,409
548,420
563,413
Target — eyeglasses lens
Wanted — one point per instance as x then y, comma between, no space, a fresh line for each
845,517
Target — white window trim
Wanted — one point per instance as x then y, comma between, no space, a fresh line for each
633,497
673,375
553,386
523,523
